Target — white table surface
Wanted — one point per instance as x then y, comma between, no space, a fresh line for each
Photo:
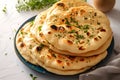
11,68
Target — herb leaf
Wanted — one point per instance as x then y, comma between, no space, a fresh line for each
72,31
67,22
27,5
33,77
39,28
80,37
4,9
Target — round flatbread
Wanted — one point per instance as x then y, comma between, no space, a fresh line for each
35,52
40,18
36,31
77,30
90,53
24,43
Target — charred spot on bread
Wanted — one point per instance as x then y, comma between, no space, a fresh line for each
54,27
100,37
61,29
95,14
69,42
54,55
61,4
81,48
40,34
96,39
82,11
39,48
19,39
88,33
81,42
68,26
68,64
103,30
59,61
72,58
22,44
63,20
82,59
49,56
49,32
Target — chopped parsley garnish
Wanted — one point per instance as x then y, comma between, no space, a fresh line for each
74,21
4,9
58,35
21,32
72,31
79,26
27,5
33,77
80,37
39,28
85,27
91,36
32,22
67,22
30,47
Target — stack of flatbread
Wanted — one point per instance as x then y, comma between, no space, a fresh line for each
68,38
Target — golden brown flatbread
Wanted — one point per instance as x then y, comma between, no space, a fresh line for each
24,43
67,44
36,53
66,39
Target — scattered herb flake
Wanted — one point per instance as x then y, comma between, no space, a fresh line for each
80,37
5,54
86,27
32,22
72,31
33,77
39,28
67,22
4,9
58,35
22,71
10,38
54,55
21,32
30,47
73,20
91,36
15,30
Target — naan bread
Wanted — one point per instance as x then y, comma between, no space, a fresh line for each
25,43
63,72
36,28
90,53
65,62
76,29
66,39
39,20
36,53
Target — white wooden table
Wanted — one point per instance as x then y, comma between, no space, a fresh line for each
11,68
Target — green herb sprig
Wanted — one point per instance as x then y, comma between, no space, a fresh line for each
27,5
